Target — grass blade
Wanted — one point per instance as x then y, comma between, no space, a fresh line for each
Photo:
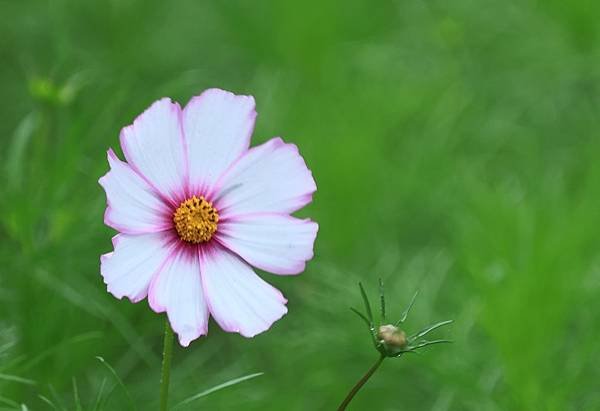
76,396
57,400
14,378
50,403
61,345
99,396
218,388
8,402
119,381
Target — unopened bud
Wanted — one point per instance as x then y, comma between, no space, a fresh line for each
392,336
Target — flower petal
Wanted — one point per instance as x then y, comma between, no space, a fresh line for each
277,243
217,125
154,146
136,258
238,299
177,289
272,177
133,207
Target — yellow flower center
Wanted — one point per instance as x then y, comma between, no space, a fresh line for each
196,220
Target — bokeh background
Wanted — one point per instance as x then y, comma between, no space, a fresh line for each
455,146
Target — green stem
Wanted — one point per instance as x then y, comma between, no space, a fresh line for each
165,374
360,383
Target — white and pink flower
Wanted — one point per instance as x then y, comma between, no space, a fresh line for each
195,207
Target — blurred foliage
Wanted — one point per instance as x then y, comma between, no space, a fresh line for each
455,146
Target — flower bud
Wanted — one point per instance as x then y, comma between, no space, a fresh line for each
393,337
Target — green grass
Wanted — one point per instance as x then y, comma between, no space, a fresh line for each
455,146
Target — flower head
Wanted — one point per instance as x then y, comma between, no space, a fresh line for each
195,208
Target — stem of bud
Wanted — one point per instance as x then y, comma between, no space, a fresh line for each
360,383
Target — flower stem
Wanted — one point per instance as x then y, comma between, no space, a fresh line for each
165,374
360,383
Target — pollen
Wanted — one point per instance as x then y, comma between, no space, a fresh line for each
196,220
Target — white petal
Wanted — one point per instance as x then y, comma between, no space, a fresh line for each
133,207
277,243
177,289
272,177
129,269
154,147
238,299
217,125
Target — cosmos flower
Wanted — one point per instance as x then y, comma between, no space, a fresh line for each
196,208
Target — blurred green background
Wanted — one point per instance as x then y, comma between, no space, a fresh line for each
455,146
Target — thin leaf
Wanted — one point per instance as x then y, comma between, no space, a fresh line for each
14,378
99,396
411,351
93,307
367,304
18,147
361,315
217,388
76,395
47,401
9,402
426,343
407,309
119,381
382,300
427,330
57,400
74,340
